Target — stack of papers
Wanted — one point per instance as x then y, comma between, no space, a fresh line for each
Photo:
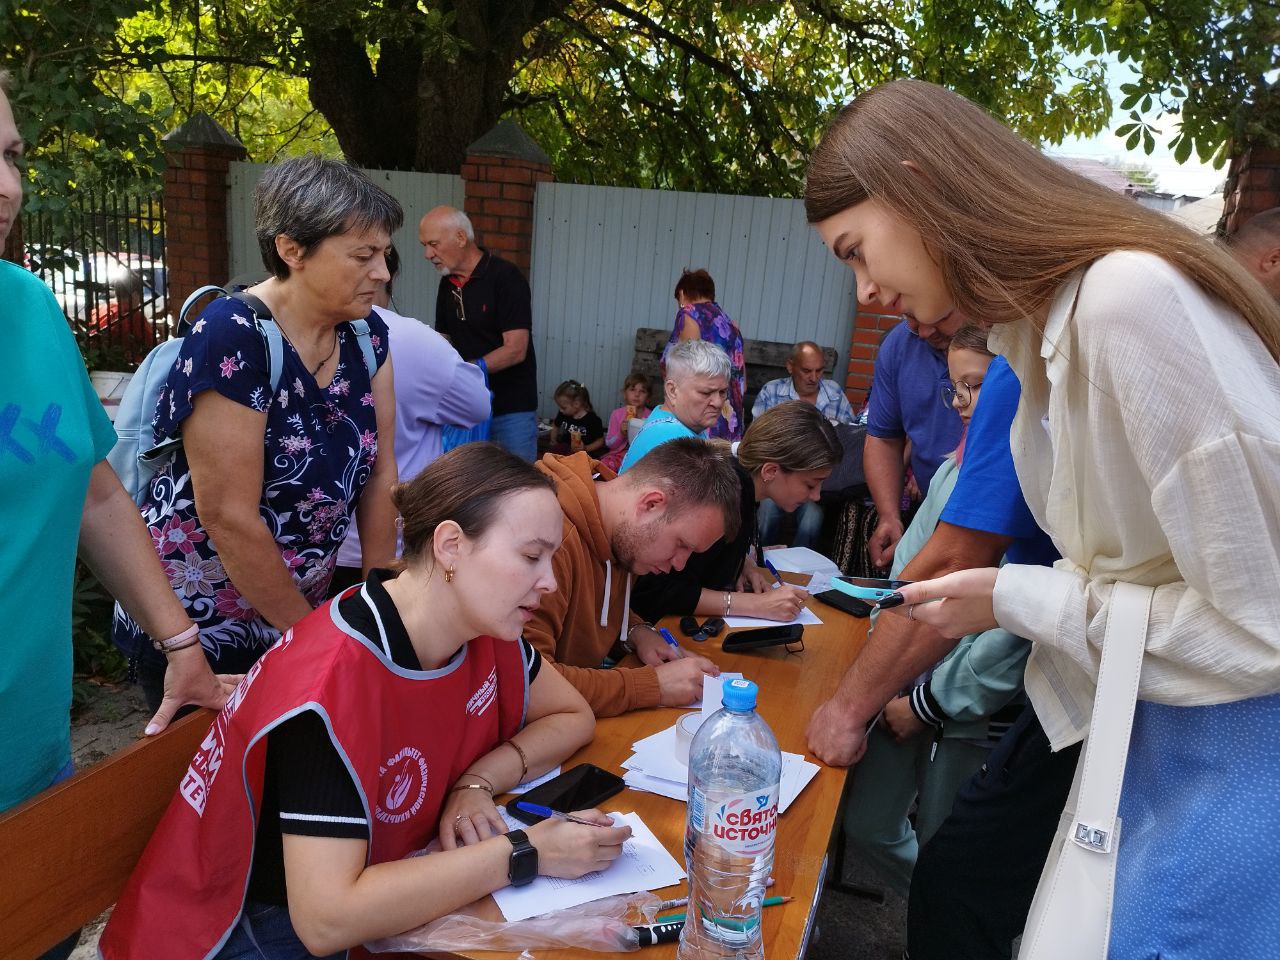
654,766
803,560
645,864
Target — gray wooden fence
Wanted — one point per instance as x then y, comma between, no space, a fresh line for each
415,288
605,264
606,261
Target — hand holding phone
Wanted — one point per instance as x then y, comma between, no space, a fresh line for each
870,589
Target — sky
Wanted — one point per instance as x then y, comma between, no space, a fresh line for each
1193,177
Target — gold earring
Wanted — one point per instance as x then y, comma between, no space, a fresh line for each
448,575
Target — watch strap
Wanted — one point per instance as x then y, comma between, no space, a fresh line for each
523,867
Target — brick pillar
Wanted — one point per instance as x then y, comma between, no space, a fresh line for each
1253,185
868,330
500,174
198,155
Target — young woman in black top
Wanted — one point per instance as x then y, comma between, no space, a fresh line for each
784,456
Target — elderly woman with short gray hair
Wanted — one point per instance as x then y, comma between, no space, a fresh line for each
694,393
248,515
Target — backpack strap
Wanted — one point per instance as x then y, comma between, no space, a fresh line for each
363,337
191,301
270,331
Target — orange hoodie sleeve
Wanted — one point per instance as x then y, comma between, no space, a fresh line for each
610,692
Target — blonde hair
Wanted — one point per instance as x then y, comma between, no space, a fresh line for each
1005,223
794,435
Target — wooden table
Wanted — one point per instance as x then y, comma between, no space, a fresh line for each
791,686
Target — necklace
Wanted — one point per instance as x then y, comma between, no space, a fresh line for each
328,355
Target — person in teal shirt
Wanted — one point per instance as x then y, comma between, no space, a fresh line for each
56,492
696,385
935,737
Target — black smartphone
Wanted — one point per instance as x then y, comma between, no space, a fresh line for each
842,601
689,626
580,788
762,637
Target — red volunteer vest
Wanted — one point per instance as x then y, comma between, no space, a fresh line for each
406,736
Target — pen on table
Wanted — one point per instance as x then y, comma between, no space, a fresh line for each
682,901
666,635
766,902
772,569
538,810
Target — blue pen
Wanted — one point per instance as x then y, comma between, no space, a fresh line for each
538,810
772,569
666,635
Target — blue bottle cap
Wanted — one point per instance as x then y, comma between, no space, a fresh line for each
739,695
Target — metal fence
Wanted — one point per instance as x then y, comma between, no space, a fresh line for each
103,258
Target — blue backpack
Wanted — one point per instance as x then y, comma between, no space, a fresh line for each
135,459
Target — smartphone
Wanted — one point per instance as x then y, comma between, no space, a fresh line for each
580,788
842,601
871,589
762,637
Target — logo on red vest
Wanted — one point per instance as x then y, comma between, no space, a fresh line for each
483,697
402,793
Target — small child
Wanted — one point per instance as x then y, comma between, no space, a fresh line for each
635,397
576,427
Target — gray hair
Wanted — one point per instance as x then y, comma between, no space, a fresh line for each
309,199
455,219
692,358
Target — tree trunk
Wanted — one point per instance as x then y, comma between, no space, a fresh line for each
419,110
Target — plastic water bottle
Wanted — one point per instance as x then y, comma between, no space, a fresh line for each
734,770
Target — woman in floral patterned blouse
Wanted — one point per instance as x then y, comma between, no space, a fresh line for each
248,516
701,318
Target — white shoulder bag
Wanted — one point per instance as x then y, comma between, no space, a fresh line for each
1070,917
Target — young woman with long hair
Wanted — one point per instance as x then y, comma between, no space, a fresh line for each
1147,443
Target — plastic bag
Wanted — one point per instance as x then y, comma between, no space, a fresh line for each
602,925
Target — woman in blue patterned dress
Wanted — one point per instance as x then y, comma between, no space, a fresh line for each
701,318
248,516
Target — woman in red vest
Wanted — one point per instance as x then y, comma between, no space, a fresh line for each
386,719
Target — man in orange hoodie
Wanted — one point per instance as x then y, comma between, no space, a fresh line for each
679,499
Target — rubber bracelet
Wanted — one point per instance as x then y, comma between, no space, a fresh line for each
187,638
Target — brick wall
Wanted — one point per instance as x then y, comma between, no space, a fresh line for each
868,330
499,200
1253,185
195,207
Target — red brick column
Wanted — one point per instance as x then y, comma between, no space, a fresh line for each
1253,185
868,330
198,155
500,175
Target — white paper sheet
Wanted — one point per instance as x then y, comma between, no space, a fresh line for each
806,617
645,864
713,683
653,767
801,560
535,782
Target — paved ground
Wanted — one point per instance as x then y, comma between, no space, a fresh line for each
847,928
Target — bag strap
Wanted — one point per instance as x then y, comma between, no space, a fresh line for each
270,331
1107,748
361,328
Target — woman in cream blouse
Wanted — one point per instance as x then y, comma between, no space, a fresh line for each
1147,444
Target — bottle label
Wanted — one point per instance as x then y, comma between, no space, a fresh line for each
741,823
